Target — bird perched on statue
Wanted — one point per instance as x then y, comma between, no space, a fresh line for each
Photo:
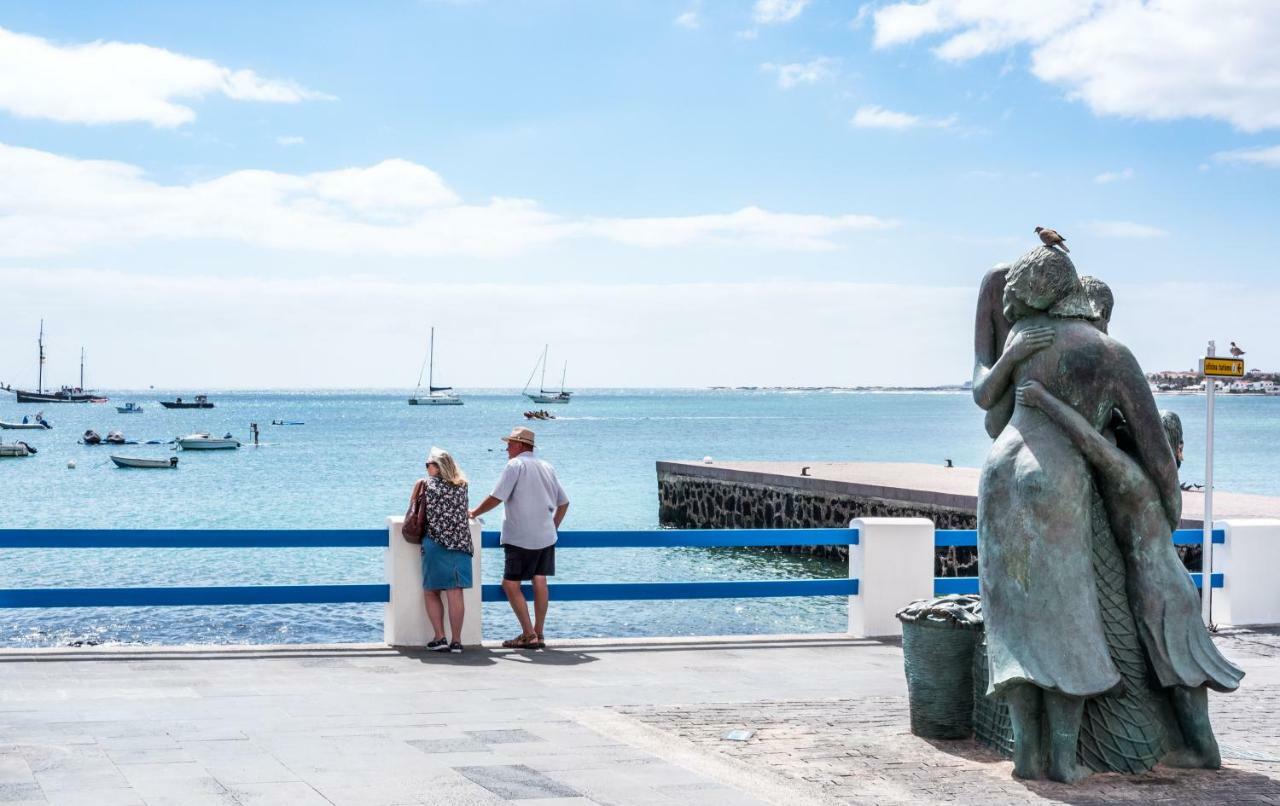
1236,351
1051,238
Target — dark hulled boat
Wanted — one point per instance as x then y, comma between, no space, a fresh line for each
201,402
67,394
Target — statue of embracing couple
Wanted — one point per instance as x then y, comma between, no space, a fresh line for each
1093,629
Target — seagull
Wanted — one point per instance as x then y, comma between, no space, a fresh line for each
804,471
1236,351
1051,238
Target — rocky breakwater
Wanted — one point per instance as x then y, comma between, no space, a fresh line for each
795,495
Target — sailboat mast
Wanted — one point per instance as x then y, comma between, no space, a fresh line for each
431,363
563,373
542,384
40,371
82,369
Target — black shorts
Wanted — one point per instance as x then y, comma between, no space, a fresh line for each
525,564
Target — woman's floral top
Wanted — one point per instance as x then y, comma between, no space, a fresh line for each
446,520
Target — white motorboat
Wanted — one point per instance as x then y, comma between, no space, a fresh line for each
129,408
16,449
544,397
135,461
436,395
37,425
202,441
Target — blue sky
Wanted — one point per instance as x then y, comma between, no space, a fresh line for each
671,193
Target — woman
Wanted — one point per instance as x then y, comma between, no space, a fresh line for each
446,547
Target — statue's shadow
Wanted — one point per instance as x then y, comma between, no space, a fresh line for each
1230,784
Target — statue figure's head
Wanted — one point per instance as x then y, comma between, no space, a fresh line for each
1101,300
1173,430
1045,280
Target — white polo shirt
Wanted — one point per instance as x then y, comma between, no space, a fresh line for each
530,493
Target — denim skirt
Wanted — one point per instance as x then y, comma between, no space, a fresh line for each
444,568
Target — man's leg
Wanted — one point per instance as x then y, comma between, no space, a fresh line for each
1026,706
541,599
518,604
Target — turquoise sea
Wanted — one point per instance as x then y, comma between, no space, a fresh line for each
353,462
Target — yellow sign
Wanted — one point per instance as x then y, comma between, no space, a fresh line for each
1223,367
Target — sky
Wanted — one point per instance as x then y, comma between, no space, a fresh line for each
669,194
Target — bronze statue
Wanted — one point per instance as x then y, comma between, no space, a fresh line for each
1048,648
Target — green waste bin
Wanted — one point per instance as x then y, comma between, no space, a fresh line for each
938,639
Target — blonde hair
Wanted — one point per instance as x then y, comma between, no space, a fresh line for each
449,470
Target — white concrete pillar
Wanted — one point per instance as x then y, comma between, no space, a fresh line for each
1248,561
893,563
405,622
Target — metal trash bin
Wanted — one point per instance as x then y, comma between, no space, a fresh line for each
938,639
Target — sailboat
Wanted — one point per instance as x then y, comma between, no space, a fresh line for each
436,395
543,395
66,394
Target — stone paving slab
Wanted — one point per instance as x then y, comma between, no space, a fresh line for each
623,722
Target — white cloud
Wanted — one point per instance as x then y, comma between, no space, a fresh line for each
115,82
877,117
1125,229
55,204
291,140
1107,177
1154,60
810,72
773,12
688,20
1261,155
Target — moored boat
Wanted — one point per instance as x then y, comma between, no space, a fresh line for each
37,425
202,441
129,408
16,449
137,461
67,394
201,402
436,395
543,397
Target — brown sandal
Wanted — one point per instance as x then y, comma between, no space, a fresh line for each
523,641
539,643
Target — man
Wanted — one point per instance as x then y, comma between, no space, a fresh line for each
534,506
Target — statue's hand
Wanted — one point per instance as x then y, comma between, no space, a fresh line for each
1029,342
1030,394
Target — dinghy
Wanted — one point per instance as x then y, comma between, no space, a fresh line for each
202,441
16,449
133,461
38,425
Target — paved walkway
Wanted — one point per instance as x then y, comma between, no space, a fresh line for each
631,722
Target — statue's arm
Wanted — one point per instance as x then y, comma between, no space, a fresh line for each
993,383
1116,468
1133,398
986,344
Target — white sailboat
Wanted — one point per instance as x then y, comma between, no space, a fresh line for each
436,395
543,396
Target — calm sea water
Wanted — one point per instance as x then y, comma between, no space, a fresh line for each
353,462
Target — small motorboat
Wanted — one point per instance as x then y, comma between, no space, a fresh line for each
202,441
91,437
134,461
539,415
38,425
129,408
16,449
287,422
201,402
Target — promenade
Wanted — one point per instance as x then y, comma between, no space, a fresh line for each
616,722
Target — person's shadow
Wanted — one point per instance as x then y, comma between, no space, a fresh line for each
487,656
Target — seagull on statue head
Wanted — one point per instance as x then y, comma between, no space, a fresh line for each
1051,238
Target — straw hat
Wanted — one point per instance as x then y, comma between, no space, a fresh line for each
520,434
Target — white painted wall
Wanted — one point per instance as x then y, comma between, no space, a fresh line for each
405,622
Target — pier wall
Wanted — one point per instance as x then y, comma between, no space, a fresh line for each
744,496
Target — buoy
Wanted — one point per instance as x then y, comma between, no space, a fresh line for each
71,464
706,460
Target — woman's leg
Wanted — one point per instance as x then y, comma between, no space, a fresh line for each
1063,714
435,612
457,609
1026,706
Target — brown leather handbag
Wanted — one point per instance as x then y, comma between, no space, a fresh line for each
415,520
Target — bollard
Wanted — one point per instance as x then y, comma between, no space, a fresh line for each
1247,560
405,621
893,563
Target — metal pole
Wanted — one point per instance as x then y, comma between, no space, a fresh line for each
1206,542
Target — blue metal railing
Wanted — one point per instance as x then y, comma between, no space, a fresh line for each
348,538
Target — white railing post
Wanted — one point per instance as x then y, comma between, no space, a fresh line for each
405,622
893,563
1248,561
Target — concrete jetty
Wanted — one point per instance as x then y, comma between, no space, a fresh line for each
739,494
